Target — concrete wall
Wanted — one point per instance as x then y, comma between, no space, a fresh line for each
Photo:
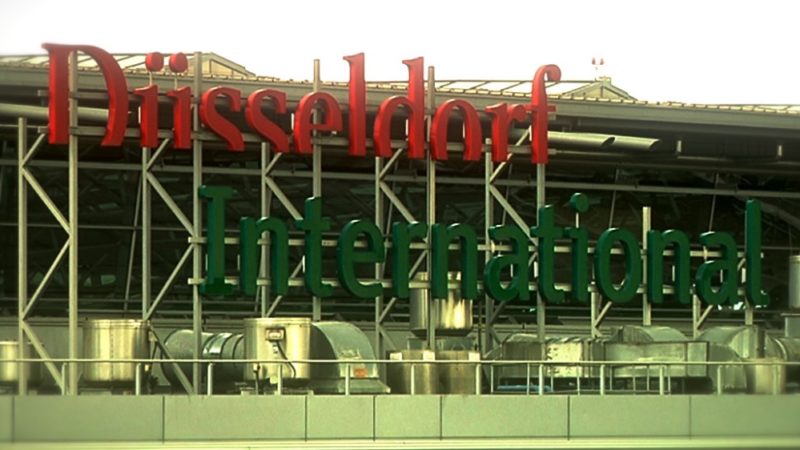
104,418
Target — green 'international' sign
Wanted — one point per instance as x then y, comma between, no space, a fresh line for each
515,262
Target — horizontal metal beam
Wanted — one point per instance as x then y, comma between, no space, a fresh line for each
410,179
763,123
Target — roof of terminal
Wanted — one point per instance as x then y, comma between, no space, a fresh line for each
600,90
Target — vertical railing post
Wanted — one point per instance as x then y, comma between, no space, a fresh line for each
64,387
210,379
347,380
541,379
602,379
138,379
280,379
478,378
527,378
413,379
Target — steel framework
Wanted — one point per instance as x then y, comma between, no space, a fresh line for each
386,189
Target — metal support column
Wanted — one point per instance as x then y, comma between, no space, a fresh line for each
540,307
72,385
700,314
487,341
26,304
147,233
647,307
266,203
197,230
379,221
430,203
22,253
316,180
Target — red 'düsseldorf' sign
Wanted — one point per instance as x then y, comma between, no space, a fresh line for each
501,115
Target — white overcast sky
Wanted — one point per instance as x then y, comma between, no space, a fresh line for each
693,51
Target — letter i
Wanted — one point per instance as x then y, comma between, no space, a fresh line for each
182,105
579,202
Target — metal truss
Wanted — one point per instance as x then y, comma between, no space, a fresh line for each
385,183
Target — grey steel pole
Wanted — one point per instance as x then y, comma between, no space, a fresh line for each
316,180
72,387
413,388
528,379
22,253
197,226
347,380
540,375
647,307
210,379
146,234
540,307
488,208
266,200
138,380
696,312
379,221
431,209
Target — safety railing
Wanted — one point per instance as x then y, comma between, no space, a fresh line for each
599,373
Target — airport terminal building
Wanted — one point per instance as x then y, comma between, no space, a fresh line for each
194,254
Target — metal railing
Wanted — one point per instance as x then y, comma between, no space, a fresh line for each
544,369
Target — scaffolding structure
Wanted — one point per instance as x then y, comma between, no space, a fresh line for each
158,218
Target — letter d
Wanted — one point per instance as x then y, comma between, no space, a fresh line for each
59,93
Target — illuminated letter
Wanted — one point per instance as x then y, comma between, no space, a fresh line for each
656,244
442,237
725,266
502,117
517,260
539,110
547,233
215,122
415,104
59,93
148,115
633,265
402,233
472,131
313,224
181,117
357,106
215,284
580,250
263,126
752,242
250,232
347,256
302,119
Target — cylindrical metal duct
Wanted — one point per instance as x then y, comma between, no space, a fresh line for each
590,140
458,378
563,139
794,282
10,371
634,143
274,340
424,376
453,315
180,345
114,339
42,112
767,377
